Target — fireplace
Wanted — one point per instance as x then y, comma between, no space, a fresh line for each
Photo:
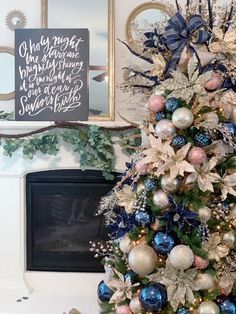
60,206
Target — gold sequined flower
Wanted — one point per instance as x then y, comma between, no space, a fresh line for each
215,249
126,198
159,65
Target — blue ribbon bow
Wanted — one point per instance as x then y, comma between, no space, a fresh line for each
180,32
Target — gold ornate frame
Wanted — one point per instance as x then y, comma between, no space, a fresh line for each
111,56
4,49
139,9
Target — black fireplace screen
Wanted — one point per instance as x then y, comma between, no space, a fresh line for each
61,220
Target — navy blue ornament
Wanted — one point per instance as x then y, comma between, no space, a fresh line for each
163,243
172,104
104,293
230,127
183,310
160,116
153,297
132,276
143,218
227,307
150,184
179,141
202,139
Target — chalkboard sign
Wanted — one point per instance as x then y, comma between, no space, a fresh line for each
51,79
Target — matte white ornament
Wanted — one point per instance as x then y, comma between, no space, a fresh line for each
208,307
181,257
204,213
182,118
126,244
205,281
160,199
165,129
169,185
142,259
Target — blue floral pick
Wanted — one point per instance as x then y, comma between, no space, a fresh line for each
179,216
124,223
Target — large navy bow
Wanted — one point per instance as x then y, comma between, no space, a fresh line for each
179,33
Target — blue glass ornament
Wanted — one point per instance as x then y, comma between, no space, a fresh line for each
179,141
163,243
172,104
132,276
202,139
104,293
143,218
230,127
150,184
160,116
227,307
153,297
183,310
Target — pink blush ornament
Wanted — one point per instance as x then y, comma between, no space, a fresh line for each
123,309
156,103
200,263
197,155
214,82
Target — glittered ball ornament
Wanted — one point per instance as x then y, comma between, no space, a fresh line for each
214,82
156,103
179,141
200,263
183,310
163,243
229,239
208,307
227,306
123,309
153,297
160,115
104,292
204,213
205,281
202,139
230,127
182,118
150,184
142,259
136,306
160,199
125,244
143,218
165,129
169,185
196,156
172,104
181,257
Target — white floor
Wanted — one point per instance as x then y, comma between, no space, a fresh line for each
46,303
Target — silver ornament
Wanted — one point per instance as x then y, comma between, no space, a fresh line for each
136,306
204,213
160,199
169,185
165,129
181,257
205,281
229,239
208,307
182,118
126,244
142,259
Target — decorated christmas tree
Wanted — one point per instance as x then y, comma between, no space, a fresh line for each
172,217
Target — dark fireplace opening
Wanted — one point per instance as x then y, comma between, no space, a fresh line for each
60,207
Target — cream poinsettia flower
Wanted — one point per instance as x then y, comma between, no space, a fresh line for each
176,164
159,65
214,248
204,177
226,43
228,185
126,198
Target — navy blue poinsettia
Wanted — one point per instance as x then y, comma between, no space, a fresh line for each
154,40
124,223
179,216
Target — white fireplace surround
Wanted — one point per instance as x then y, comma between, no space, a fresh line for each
13,275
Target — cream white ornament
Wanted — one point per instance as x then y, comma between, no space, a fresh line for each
136,306
165,129
182,118
142,259
160,199
208,307
205,281
181,257
204,213
126,244
169,185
